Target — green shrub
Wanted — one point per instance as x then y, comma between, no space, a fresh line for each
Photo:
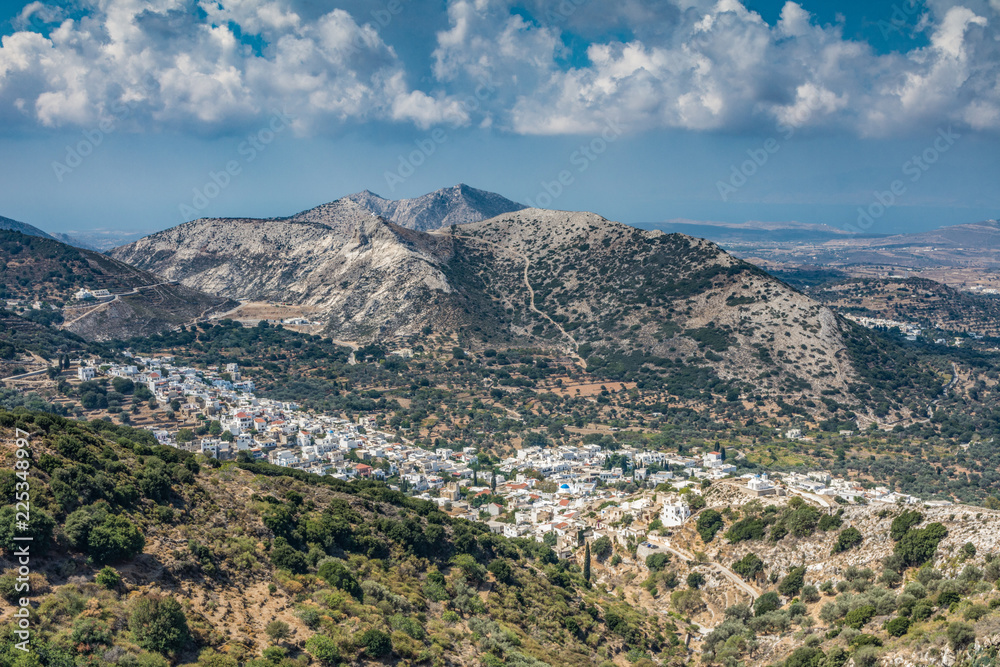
375,642
114,540
847,539
767,602
324,649
286,557
902,523
108,578
960,635
601,548
40,529
857,618
158,624
917,546
337,574
810,594
746,529
709,523
655,562
749,566
897,627
792,582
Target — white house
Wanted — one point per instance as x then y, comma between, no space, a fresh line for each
85,373
760,485
675,514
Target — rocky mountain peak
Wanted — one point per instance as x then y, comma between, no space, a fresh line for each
456,205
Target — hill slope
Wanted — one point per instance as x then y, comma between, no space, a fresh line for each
36,268
631,302
24,228
353,572
456,205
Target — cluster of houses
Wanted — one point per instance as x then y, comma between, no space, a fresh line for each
556,495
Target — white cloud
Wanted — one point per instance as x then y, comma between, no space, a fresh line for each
530,67
161,66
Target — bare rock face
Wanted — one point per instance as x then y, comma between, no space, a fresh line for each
357,269
457,205
598,290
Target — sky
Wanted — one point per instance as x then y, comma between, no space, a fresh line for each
881,116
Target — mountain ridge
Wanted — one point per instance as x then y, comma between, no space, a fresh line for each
628,302
457,205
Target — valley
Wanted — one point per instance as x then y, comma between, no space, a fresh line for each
515,436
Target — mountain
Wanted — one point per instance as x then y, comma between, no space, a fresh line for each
36,268
457,205
23,228
632,304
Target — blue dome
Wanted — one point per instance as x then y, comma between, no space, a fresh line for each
564,486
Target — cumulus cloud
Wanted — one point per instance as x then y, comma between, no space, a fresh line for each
523,66
158,64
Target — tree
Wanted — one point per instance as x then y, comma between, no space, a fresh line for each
960,635
847,539
687,601
501,569
746,529
695,580
859,616
792,582
185,435
767,602
749,566
123,385
709,523
917,546
277,630
40,528
376,643
106,537
586,563
602,548
287,557
158,624
655,562
336,573
902,523
897,627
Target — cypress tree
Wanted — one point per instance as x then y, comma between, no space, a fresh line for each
586,564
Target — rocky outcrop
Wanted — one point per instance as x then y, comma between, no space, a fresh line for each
456,205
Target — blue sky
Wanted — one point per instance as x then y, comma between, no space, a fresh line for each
137,115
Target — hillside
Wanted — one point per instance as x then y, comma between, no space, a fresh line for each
6,224
456,205
634,304
219,564
48,271
926,303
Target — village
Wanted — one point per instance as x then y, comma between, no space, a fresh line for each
557,495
